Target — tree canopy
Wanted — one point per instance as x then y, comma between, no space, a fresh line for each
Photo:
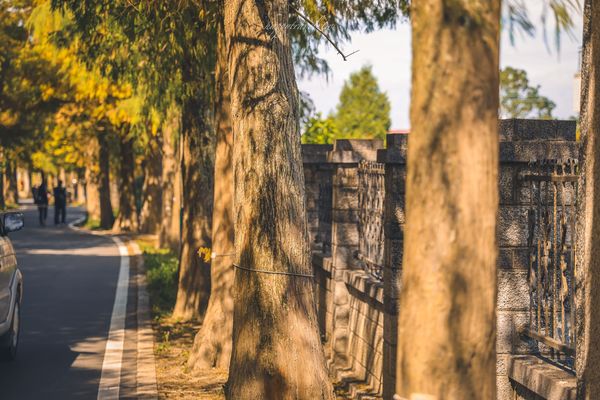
518,99
363,110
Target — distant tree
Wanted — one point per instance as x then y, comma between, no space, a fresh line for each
364,110
520,100
320,130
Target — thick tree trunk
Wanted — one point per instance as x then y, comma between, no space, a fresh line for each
2,200
151,213
12,187
197,169
447,321
127,220
106,212
171,183
277,352
92,194
588,232
212,345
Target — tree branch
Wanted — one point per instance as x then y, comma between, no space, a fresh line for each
308,21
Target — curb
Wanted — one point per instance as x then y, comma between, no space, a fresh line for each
146,368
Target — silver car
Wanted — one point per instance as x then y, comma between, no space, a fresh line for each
11,286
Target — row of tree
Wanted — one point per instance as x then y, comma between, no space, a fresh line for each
201,96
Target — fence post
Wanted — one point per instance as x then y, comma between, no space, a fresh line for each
394,216
346,155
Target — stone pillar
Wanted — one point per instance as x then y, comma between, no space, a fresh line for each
395,177
346,156
318,175
521,141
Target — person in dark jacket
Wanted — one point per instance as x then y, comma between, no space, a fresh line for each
41,199
60,204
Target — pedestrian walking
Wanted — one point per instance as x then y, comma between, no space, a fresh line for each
60,204
41,199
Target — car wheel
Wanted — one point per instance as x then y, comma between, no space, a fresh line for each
10,340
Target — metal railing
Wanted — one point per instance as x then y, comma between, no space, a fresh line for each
552,191
371,200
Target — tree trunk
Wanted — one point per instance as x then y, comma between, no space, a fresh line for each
151,214
277,352
127,220
171,183
92,193
197,169
588,224
106,212
2,200
12,187
447,321
212,345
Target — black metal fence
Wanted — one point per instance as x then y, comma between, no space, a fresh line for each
371,198
552,193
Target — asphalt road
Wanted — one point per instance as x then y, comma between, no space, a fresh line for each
70,280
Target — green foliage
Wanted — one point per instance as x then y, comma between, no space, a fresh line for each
363,110
516,18
520,100
319,130
161,266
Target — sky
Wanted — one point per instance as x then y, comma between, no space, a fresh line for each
389,52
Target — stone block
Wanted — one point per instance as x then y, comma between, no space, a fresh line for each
315,153
340,342
525,152
346,177
392,281
521,258
505,258
507,184
341,297
390,329
395,251
542,378
506,130
395,182
342,257
513,290
345,198
344,216
504,390
344,234
512,226
508,340
367,148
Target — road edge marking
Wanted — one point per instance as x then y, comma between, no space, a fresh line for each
110,380
146,364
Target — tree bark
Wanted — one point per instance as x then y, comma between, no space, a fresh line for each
197,172
277,352
447,321
171,182
2,200
106,212
127,220
12,188
151,213
92,194
212,345
588,218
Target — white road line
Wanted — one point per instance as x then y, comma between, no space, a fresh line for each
110,380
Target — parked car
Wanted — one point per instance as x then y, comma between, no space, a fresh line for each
11,286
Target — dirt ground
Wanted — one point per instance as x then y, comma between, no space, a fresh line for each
172,344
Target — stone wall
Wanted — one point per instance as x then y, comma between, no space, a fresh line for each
358,313
521,142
